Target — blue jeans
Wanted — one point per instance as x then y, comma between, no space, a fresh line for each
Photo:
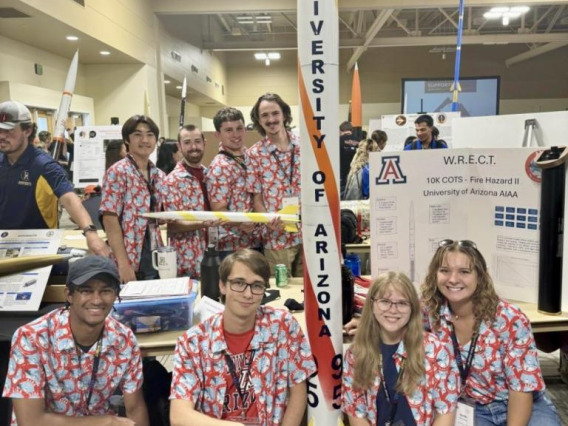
495,413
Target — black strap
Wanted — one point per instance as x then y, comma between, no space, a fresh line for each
192,172
236,382
96,363
149,183
291,163
393,402
237,159
464,369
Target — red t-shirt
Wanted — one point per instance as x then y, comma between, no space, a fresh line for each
242,358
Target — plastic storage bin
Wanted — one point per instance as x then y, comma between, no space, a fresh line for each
150,315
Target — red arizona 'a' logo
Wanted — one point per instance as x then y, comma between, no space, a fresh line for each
390,171
5,117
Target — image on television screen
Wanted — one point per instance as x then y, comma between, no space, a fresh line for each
479,96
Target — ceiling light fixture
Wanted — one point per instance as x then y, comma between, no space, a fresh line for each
506,13
267,57
104,52
257,19
72,38
167,81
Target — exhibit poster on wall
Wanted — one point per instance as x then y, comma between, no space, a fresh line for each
90,148
489,196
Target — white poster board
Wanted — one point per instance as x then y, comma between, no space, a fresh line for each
400,126
24,291
90,147
490,196
500,131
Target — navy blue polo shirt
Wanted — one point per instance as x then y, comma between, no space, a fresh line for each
435,144
29,190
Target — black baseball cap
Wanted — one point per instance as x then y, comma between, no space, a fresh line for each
86,268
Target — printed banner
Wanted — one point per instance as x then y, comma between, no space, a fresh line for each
489,196
24,291
319,130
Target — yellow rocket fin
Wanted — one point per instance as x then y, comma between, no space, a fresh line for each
291,227
291,209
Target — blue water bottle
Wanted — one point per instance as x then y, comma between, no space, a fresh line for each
353,262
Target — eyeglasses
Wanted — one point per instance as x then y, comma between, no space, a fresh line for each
240,286
460,243
402,306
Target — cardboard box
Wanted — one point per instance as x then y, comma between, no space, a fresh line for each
163,314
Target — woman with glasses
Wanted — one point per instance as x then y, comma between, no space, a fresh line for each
394,372
494,347
247,365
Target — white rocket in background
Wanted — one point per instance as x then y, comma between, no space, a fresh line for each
65,105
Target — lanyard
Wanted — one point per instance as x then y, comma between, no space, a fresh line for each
153,223
237,159
235,378
394,401
96,363
464,369
149,183
192,172
282,167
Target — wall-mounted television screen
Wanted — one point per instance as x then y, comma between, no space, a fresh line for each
479,96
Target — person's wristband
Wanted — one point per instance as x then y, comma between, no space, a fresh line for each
90,228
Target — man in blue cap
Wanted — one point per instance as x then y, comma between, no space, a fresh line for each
65,365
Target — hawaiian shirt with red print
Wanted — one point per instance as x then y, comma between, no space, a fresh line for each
282,359
269,175
226,183
437,392
505,355
182,191
45,363
126,194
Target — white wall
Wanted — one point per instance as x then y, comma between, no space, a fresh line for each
17,65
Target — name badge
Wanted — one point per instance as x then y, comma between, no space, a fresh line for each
290,201
465,414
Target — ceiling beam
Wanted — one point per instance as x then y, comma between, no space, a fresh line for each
224,23
246,6
356,43
370,35
540,19
348,27
555,18
442,22
449,18
290,21
537,51
400,24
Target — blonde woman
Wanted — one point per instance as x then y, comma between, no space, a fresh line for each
357,186
394,372
492,339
